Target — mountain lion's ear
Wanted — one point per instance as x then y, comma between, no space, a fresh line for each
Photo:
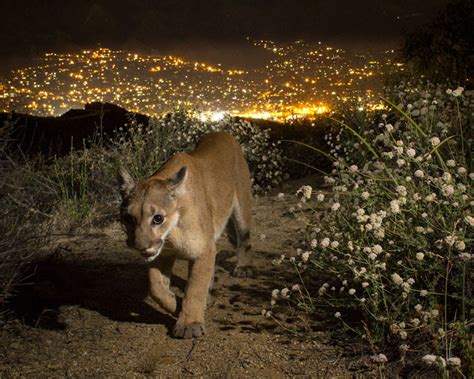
177,181
126,182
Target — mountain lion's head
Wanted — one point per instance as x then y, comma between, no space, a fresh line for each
149,210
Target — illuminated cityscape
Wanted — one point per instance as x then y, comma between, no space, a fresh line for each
299,80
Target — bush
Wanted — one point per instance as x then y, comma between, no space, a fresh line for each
143,151
443,49
27,197
71,176
395,238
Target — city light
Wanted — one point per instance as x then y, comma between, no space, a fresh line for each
298,80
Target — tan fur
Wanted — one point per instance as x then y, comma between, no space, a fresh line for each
199,194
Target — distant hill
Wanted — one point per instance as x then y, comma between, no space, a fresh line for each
56,135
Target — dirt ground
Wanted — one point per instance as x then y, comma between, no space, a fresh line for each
87,314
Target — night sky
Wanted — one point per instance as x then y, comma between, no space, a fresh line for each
29,27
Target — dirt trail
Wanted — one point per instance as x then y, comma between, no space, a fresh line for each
91,319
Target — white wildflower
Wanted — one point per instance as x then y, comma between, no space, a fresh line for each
431,197
325,242
306,191
335,207
419,174
447,177
296,287
401,190
462,171
454,362
404,347
397,279
365,195
329,180
352,291
469,220
458,92
411,152
450,240
460,245
320,197
420,256
395,206
435,141
466,256
379,358
377,249
429,359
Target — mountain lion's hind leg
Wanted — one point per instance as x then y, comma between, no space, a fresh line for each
159,273
238,231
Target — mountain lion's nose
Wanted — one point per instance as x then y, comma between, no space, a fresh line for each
149,252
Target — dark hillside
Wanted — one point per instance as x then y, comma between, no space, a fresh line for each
56,135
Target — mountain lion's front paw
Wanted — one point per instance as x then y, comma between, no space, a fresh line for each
243,271
195,329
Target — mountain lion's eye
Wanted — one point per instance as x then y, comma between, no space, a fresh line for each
158,219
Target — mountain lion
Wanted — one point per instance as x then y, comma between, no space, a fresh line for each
189,202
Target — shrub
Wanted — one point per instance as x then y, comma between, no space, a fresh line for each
395,238
71,176
442,49
27,196
143,151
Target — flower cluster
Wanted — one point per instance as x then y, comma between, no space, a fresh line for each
397,233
